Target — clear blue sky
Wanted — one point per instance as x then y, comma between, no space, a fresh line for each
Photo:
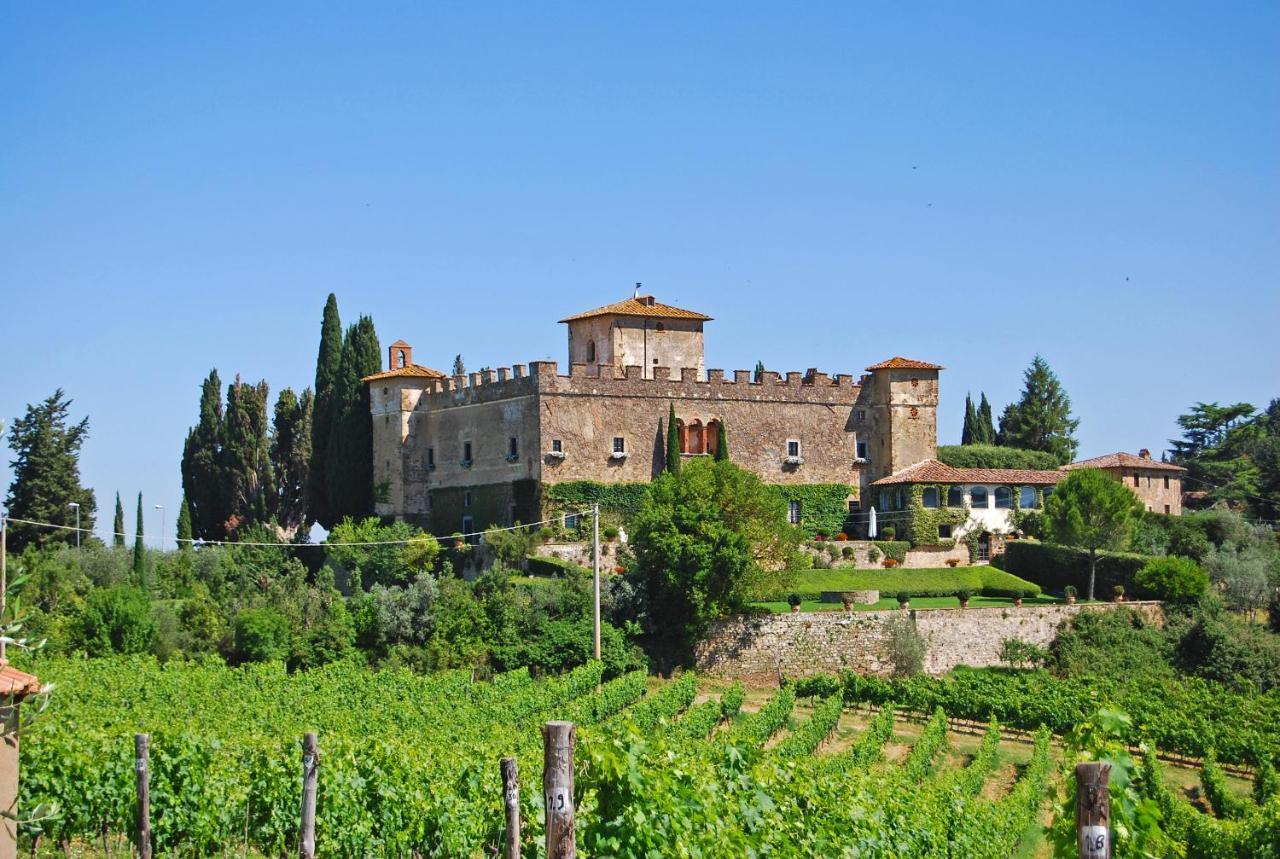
182,185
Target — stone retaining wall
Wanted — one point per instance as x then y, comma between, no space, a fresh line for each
829,642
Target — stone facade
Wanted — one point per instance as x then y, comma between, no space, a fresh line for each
461,453
1158,485
809,643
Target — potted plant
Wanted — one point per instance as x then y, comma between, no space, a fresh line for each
794,601
619,569
953,562
842,537
889,563
1017,598
610,533
889,532
1118,593
847,599
819,537
846,552
873,554
904,600
458,540
1070,593
547,534
963,596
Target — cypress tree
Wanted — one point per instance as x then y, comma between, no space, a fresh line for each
986,428
673,441
291,458
46,474
1041,419
203,480
247,452
349,464
970,422
117,527
139,550
328,366
759,375
459,366
184,526
722,442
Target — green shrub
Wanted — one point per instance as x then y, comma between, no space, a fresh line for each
906,645
1055,567
540,566
941,582
610,532
893,549
117,619
990,456
903,597
846,552
889,532
1173,579
261,635
794,600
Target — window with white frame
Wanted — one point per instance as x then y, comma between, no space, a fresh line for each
862,450
619,444
557,446
793,512
793,447
978,497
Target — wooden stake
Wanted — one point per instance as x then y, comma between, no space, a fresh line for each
558,741
310,765
142,767
1093,810
511,799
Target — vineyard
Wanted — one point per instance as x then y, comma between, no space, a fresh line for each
409,765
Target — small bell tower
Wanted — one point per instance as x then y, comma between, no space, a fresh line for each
399,355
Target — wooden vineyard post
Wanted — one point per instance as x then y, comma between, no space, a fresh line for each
1093,810
558,740
511,799
142,767
310,765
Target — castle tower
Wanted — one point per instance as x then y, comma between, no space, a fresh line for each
393,396
637,332
903,412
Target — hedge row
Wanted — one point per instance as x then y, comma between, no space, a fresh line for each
985,581
539,566
1055,567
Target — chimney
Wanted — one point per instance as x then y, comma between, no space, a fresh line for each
1144,454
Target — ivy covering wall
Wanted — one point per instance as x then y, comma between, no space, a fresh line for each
920,525
823,506
618,501
490,505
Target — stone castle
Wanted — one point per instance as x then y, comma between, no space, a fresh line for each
460,453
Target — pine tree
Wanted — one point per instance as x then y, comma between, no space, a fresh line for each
291,458
46,474
459,367
247,452
985,428
184,526
349,466
328,366
1041,419
673,441
139,550
203,475
117,527
722,442
970,421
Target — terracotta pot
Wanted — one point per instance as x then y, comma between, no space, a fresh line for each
1017,600
1071,600
904,605
964,603
795,609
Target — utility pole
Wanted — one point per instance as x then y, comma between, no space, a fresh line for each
595,570
76,505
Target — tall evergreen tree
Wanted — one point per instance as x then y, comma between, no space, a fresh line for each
459,366
247,452
722,442
117,526
203,476
970,422
139,550
759,374
46,474
184,526
1041,419
349,464
291,458
985,429
673,441
328,367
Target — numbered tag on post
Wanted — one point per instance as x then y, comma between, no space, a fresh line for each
558,799
1095,842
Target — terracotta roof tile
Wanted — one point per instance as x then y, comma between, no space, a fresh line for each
412,371
899,363
1123,460
643,305
932,471
14,682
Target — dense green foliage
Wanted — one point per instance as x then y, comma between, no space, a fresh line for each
577,496
1232,452
707,541
941,582
1091,511
349,458
46,475
1171,579
1055,567
1041,418
992,456
823,506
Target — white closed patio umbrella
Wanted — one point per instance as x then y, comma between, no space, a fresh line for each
871,525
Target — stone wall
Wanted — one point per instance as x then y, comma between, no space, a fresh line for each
829,642
924,557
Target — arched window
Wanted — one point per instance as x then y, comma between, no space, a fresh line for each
978,497
399,359
697,438
591,351
1027,497
1004,498
929,498
955,496
884,499
713,436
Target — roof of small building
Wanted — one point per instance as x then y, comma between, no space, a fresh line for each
933,471
1123,460
15,683
415,371
641,305
899,363
399,343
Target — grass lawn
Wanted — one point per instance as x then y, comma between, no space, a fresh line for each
781,607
